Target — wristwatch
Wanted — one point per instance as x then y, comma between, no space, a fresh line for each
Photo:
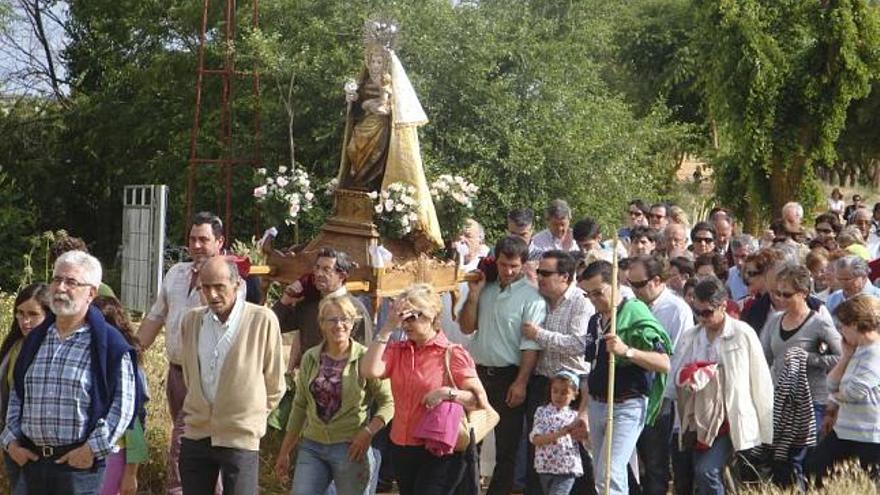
450,396
630,352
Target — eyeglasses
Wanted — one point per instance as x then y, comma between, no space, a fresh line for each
638,284
705,313
545,273
704,240
336,320
410,316
70,282
784,295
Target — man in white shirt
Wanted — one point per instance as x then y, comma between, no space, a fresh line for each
647,277
558,234
179,294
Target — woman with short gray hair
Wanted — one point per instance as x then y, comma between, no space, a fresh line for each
734,410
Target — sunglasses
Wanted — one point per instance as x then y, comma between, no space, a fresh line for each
704,240
754,273
638,284
784,295
545,273
705,313
410,316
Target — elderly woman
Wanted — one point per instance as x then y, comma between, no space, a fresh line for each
796,325
854,386
330,420
734,410
417,369
851,275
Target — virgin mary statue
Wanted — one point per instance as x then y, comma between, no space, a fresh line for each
381,144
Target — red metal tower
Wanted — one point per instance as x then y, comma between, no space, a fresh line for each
225,159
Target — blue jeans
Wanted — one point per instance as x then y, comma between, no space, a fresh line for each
709,466
556,484
819,412
13,474
47,478
629,419
318,464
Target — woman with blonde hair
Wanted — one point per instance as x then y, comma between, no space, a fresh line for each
678,215
330,421
417,369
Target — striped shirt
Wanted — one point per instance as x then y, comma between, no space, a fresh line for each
858,394
563,336
57,400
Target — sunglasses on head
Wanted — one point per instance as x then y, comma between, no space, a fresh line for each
704,313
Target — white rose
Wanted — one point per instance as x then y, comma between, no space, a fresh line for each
373,195
413,216
309,196
398,207
260,192
261,171
282,182
385,195
282,170
389,205
378,208
270,180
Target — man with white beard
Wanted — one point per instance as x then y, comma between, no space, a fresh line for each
75,391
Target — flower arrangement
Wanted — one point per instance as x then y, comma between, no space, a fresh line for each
454,200
285,195
395,210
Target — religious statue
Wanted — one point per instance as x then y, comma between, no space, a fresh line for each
381,142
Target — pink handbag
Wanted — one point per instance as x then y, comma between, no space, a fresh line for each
439,427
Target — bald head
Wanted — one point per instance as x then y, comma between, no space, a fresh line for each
218,281
861,218
675,237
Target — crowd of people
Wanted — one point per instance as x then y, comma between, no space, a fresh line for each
726,346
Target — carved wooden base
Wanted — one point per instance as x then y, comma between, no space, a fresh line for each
351,230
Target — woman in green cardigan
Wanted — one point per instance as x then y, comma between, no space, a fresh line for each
330,421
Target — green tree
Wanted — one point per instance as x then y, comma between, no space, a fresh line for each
780,77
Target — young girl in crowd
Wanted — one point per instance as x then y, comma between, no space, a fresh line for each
120,475
557,459
31,307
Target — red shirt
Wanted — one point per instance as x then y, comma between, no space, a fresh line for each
414,371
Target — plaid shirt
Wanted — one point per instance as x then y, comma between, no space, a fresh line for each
563,337
56,406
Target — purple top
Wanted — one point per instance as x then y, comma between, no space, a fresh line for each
327,386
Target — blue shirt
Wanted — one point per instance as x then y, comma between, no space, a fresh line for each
500,315
56,408
738,288
837,297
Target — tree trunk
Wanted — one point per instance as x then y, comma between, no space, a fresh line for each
875,166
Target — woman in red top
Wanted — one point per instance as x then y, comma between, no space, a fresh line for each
418,382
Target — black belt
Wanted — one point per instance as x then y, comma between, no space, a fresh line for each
496,370
622,397
48,451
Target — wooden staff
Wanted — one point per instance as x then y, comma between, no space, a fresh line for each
609,422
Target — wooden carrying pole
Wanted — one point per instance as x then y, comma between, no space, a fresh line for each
609,422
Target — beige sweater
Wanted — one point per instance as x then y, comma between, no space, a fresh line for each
250,385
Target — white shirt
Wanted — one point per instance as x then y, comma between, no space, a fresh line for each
544,241
673,313
174,301
215,340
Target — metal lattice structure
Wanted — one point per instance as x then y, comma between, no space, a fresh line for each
225,160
